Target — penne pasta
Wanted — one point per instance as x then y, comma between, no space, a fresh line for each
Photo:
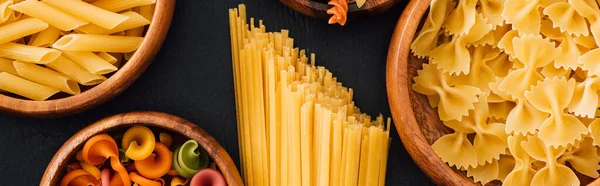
20,86
49,15
5,12
88,12
75,72
90,61
20,29
119,57
147,11
7,66
98,43
121,33
46,77
26,53
120,5
45,38
107,57
133,32
135,20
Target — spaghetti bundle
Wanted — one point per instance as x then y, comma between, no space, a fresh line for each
296,124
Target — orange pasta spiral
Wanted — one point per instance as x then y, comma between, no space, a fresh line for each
79,177
157,164
339,11
102,147
140,180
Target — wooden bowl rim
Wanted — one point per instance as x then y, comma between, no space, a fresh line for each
319,10
113,86
155,119
401,105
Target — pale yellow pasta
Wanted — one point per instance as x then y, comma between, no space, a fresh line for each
45,38
75,72
585,98
135,20
20,29
88,12
49,14
5,12
565,17
428,36
120,5
46,77
7,66
147,11
26,53
461,20
107,57
98,43
133,32
17,85
91,62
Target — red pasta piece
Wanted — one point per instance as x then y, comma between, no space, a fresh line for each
208,177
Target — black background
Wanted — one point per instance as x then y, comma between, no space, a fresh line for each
191,77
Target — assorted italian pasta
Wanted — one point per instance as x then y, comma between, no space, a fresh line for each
517,82
53,46
297,124
140,157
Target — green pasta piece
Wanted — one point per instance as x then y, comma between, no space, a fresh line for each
188,159
122,157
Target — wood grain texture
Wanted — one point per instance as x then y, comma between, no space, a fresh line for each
417,123
319,10
66,154
112,87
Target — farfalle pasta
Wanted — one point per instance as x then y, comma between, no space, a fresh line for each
518,83
103,162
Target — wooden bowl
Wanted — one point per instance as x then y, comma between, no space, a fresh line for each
175,125
417,123
116,84
317,9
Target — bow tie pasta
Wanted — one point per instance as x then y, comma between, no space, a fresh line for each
517,81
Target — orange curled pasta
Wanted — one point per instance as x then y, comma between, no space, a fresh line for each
100,148
93,170
138,142
338,12
79,177
140,180
179,181
157,164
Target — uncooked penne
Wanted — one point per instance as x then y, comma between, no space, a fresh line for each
120,5
133,32
88,12
46,77
26,53
45,38
7,66
75,72
135,20
20,86
90,61
5,12
147,11
20,29
98,43
107,57
49,15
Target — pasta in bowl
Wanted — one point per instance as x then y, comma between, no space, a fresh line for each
147,148
60,57
497,92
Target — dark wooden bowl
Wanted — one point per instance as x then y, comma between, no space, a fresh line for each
112,87
316,9
417,123
175,125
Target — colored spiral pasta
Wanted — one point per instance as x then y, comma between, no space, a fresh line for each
338,11
157,164
188,159
100,148
140,180
79,177
138,142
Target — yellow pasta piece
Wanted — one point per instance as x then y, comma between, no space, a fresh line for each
139,142
46,77
88,12
552,172
98,43
5,12
49,15
25,88
135,20
147,11
45,38
20,29
523,15
428,36
120,5
7,66
107,57
565,17
90,61
75,72
462,18
585,98
27,53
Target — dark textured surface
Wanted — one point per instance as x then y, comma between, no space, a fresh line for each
191,78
